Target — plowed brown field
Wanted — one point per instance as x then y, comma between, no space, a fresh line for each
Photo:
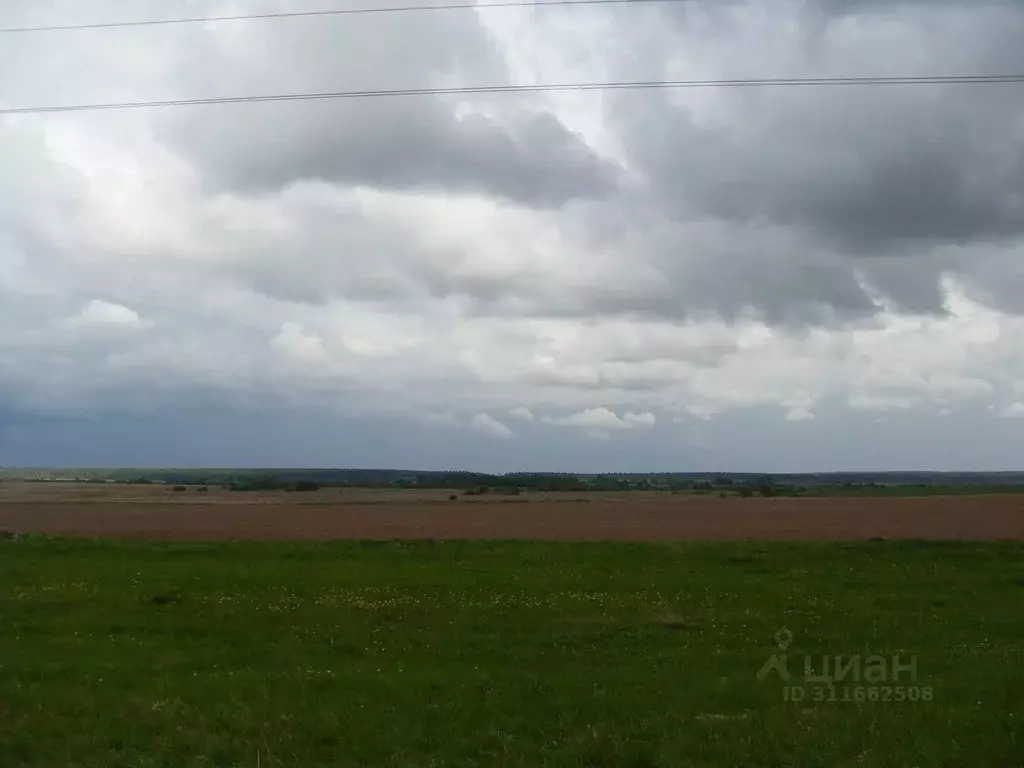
157,512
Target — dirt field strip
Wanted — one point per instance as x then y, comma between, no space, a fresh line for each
128,513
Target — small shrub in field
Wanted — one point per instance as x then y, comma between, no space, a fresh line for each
171,599
179,488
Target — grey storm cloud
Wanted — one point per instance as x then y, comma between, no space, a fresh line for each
854,176
412,145
292,281
519,152
865,171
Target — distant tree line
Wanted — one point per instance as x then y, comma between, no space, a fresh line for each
270,483
478,483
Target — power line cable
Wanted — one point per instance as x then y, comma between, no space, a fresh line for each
539,88
335,12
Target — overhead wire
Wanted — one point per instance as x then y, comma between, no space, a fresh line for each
535,88
328,12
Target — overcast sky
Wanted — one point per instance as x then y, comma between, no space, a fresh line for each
743,279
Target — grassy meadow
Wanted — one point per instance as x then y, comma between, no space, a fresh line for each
504,654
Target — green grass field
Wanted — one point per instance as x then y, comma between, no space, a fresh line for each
502,654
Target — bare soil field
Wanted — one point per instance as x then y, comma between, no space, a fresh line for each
157,512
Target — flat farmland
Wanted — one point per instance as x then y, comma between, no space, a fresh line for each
195,651
479,654
159,512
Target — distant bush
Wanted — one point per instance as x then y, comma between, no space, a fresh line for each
261,483
303,486
746,493
179,488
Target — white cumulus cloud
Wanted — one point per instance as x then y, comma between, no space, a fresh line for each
296,342
602,418
1014,411
489,425
105,314
799,414
522,413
